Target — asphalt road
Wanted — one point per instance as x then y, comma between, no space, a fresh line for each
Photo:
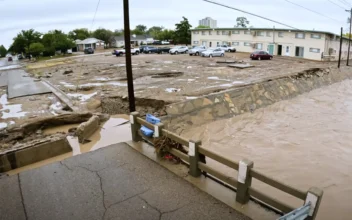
115,182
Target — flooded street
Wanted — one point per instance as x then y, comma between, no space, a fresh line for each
304,142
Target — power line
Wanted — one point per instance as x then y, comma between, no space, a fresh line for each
336,4
277,22
96,10
345,2
312,11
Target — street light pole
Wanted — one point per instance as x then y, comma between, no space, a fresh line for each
128,56
349,37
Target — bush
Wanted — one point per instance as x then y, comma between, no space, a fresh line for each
36,49
49,51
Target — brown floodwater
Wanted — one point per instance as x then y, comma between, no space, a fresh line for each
304,142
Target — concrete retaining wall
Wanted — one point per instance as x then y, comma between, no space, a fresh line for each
248,98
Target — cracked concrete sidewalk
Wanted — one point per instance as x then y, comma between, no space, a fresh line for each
115,182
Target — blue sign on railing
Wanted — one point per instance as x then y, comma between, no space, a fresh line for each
297,214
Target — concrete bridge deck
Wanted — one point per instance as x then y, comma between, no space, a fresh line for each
115,182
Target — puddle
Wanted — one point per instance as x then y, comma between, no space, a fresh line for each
189,67
154,69
172,90
120,64
101,79
191,97
115,130
10,67
152,87
66,84
3,125
82,97
213,77
237,82
168,61
10,111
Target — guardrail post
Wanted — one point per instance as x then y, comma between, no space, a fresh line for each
135,126
194,158
314,196
244,181
157,130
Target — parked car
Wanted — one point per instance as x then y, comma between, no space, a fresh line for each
69,51
261,55
227,48
157,42
141,48
20,56
165,42
197,50
150,50
163,50
119,52
88,51
179,49
217,52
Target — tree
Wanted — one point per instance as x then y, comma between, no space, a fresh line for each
183,32
202,26
154,31
80,33
242,22
36,49
3,51
24,39
118,32
165,35
104,35
56,40
141,28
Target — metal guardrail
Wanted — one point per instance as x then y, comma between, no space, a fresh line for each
245,169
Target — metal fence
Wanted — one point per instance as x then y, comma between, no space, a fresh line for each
245,169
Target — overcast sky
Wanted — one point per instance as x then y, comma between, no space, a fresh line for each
44,15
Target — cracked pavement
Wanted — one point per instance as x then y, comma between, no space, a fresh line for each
115,182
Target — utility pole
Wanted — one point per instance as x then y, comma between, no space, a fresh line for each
340,48
128,56
349,37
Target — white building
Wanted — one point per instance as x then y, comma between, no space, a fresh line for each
208,21
282,42
94,43
136,40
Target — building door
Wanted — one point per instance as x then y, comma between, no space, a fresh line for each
271,49
299,52
209,44
279,50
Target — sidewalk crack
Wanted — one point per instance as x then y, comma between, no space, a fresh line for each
22,199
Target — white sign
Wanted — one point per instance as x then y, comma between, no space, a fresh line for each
192,149
242,172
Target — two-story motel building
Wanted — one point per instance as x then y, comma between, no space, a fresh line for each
280,42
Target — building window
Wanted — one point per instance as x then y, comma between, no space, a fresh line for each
203,32
247,32
259,46
316,36
268,34
217,44
300,35
260,33
281,34
235,43
218,32
247,44
235,32
196,32
209,32
195,42
287,49
88,45
314,50
225,32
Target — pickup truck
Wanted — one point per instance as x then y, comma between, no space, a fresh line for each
227,48
120,52
162,50
196,51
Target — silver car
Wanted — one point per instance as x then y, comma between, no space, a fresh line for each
197,50
217,52
179,49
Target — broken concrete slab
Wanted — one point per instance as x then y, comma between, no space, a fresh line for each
241,66
23,86
3,79
227,61
86,129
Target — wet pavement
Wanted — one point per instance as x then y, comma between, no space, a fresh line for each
115,182
304,142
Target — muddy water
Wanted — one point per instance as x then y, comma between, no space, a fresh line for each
113,131
304,142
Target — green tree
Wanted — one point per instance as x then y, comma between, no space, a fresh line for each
80,33
242,22
104,35
56,40
18,45
202,26
141,28
155,31
166,35
36,49
3,51
118,32
24,39
183,32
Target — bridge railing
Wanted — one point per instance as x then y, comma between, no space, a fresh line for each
246,172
